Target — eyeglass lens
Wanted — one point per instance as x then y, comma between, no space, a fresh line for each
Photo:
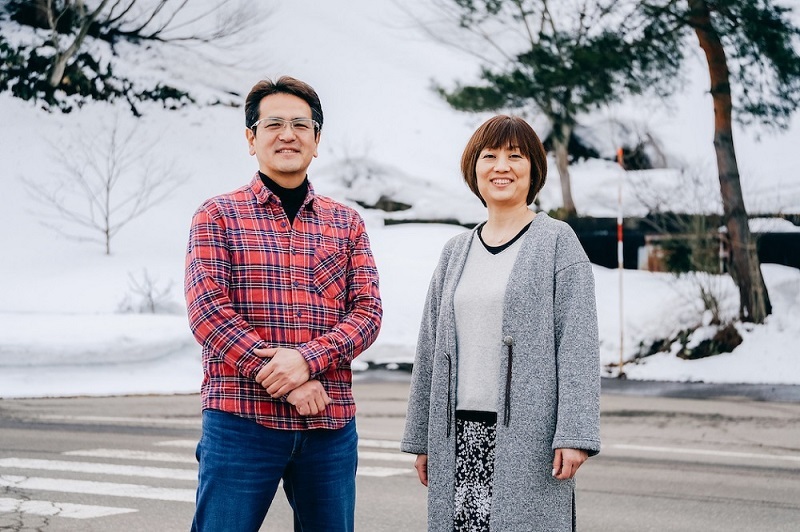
300,125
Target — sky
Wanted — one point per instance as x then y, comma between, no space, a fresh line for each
63,329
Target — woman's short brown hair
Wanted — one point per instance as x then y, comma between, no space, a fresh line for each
503,131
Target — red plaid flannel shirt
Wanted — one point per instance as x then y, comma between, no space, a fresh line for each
252,281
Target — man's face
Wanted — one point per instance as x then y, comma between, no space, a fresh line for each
283,154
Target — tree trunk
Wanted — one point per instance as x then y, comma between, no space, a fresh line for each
59,65
560,141
745,269
57,69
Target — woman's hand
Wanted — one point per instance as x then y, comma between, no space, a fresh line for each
421,465
567,462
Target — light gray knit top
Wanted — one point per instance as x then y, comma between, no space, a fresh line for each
478,305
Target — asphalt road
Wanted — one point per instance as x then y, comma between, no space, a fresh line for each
725,462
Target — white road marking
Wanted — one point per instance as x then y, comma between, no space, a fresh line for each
144,455
377,444
380,444
366,455
368,471
137,491
101,469
707,452
194,422
128,454
388,457
60,509
63,485
188,444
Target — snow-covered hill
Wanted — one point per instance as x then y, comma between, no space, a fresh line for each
385,134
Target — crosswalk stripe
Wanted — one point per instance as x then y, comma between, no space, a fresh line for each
188,444
62,485
60,509
370,471
103,469
191,422
173,473
128,454
388,457
380,444
708,452
138,491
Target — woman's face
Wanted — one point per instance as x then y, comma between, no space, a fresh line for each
504,177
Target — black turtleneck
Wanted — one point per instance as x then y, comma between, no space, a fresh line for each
291,198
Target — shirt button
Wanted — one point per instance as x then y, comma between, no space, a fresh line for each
299,314
295,284
283,224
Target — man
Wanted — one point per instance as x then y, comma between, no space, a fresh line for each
282,293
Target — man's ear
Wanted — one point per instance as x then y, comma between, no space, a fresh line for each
251,139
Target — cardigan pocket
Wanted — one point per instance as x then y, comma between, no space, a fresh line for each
508,341
449,393
449,389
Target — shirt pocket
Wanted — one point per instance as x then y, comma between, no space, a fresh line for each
330,273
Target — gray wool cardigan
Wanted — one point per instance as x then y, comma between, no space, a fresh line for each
550,353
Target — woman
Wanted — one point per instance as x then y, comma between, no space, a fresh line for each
504,404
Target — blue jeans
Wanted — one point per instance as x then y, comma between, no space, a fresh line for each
242,462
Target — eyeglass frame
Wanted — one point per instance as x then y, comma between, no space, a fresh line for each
290,122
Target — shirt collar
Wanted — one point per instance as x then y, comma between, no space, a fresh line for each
263,193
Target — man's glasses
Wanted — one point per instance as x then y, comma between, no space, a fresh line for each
273,124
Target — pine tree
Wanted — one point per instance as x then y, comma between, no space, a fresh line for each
754,71
561,59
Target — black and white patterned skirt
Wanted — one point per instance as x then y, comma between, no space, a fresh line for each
475,437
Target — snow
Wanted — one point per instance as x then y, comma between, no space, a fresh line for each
62,329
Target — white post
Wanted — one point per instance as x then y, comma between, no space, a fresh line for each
620,264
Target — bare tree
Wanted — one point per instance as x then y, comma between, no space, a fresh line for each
62,60
102,184
140,20
148,296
